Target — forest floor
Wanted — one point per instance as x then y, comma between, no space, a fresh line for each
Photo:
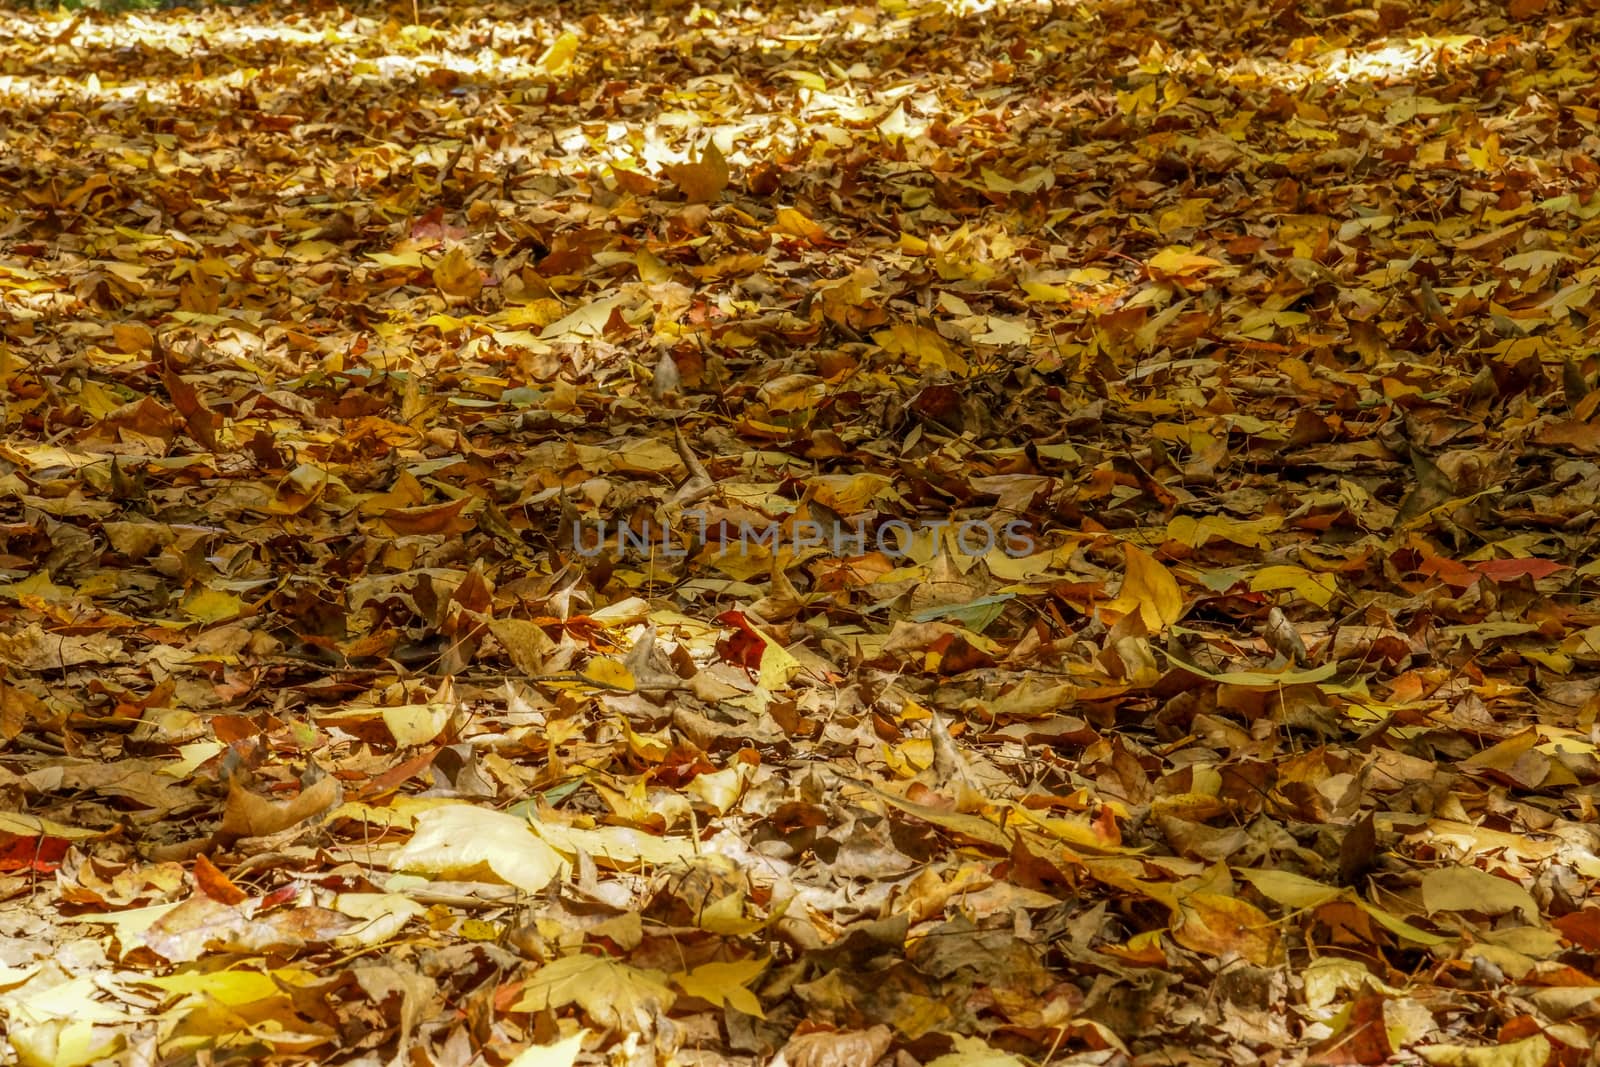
1111,564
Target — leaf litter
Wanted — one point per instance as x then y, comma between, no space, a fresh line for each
339,722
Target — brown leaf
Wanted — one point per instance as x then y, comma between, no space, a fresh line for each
702,180
435,519
248,814
1363,1041
201,421
842,1048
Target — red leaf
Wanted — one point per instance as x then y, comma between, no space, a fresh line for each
1509,570
744,646
40,854
1582,928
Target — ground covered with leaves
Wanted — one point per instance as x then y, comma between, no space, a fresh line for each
1111,509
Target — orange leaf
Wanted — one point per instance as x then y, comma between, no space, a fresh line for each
216,885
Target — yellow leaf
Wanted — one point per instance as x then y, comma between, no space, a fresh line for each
1031,183
1290,889
1399,927
652,748
726,917
557,60
408,724
617,847
400,813
382,915
1215,925
609,673
235,987
719,790
1329,978
540,313
724,984
613,994
41,998
652,269
1185,215
563,1053
189,757
974,1052
586,323
445,323
128,924
457,275
898,126
1045,292
1320,589
62,1043
313,251
796,223
974,827
807,79
462,841
37,584
912,246
777,666
416,724
1531,1051
998,331
1179,264
36,826
1252,533
1150,589
927,348
1260,679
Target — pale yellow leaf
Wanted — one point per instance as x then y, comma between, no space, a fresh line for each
465,842
777,666
416,724
1320,589
618,847
1532,1051
1469,889
563,1053
613,994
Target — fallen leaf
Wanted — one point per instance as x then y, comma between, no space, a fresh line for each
462,841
